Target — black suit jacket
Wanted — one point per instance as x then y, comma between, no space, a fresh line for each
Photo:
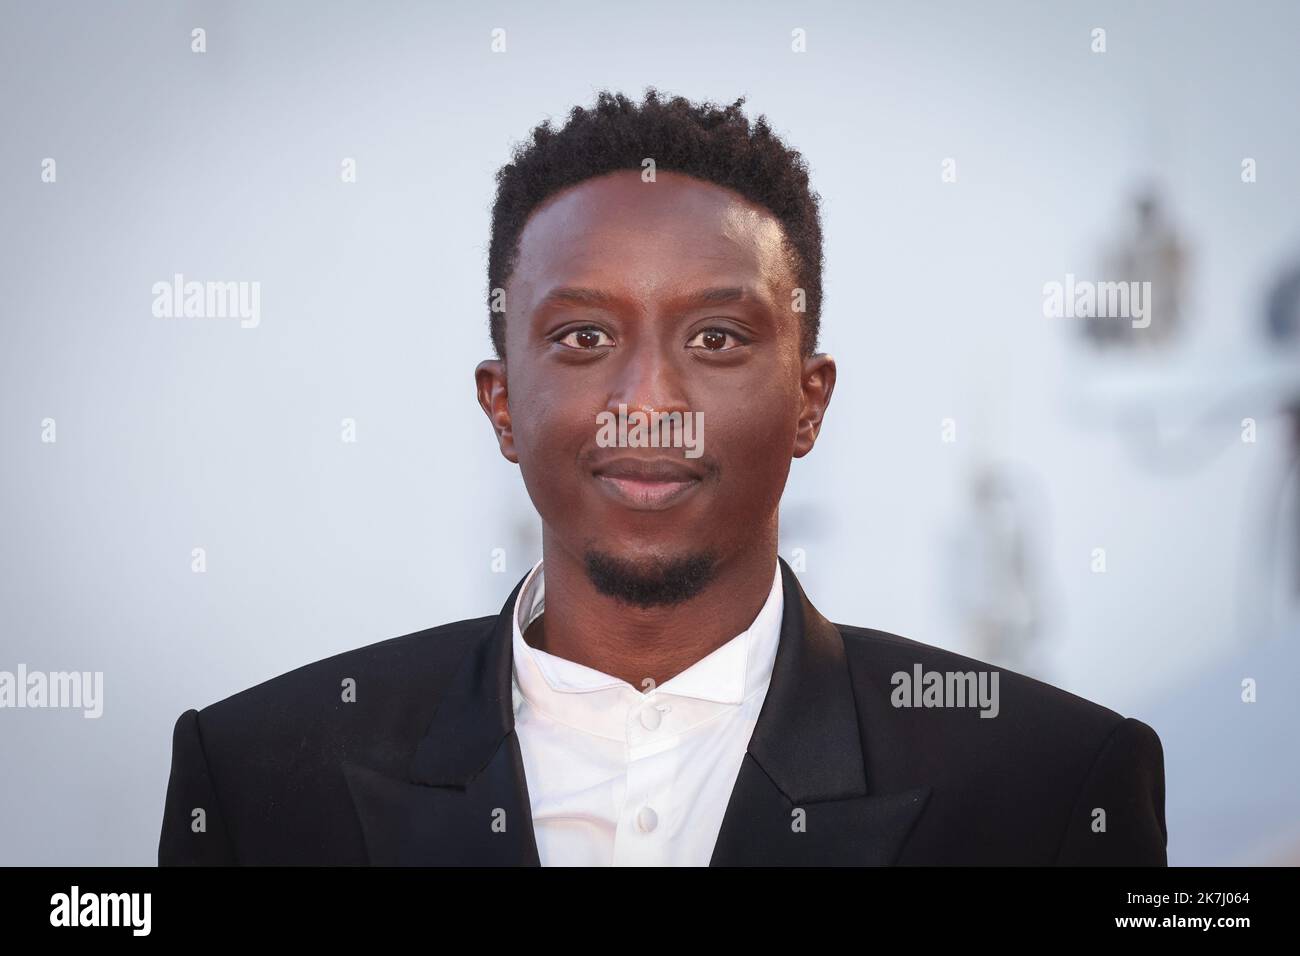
424,767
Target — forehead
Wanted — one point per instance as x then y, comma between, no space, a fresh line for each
646,236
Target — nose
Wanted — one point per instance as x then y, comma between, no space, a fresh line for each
650,379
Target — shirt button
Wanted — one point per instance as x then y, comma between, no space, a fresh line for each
651,718
646,819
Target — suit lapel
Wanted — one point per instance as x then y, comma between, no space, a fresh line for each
802,796
463,799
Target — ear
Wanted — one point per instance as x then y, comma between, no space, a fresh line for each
493,395
816,383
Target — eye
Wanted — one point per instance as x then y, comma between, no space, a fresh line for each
588,337
714,340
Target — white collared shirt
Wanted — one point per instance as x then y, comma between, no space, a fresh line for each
621,778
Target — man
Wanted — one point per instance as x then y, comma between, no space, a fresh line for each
658,689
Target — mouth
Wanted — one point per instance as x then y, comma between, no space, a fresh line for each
647,484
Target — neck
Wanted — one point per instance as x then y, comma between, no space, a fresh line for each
631,643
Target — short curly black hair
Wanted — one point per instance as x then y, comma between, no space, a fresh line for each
712,143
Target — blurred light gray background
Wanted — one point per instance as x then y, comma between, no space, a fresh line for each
176,434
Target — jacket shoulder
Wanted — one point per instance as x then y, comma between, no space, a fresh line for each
370,703
1023,787
881,655
264,763
385,669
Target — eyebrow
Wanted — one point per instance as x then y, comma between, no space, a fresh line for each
576,295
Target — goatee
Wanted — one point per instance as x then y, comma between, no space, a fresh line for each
653,582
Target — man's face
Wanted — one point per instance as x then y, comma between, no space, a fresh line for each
667,296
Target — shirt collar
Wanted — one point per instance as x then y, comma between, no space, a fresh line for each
586,698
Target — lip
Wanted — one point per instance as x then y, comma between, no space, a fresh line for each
647,484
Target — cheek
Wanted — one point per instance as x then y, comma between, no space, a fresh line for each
754,452
549,436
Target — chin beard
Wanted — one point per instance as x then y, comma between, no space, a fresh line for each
653,582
